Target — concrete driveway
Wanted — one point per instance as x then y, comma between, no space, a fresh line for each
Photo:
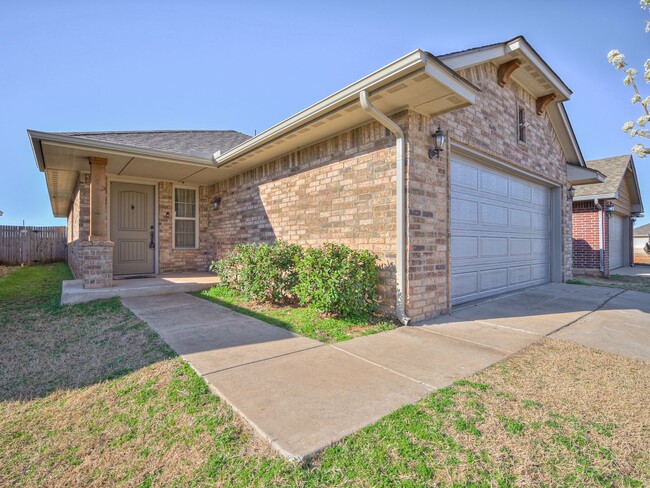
302,395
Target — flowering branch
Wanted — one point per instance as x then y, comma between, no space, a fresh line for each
617,59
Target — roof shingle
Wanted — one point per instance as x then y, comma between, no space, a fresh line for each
173,141
613,168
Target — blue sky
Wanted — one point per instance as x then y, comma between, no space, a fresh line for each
100,65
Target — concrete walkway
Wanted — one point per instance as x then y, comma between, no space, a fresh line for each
302,395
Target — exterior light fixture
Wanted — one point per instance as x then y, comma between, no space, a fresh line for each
633,219
216,202
610,208
571,192
438,143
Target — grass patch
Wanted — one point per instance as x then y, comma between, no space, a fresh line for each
301,320
127,412
624,282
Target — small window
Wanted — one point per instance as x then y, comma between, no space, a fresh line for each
522,125
185,218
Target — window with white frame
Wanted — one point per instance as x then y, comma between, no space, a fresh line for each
185,218
522,125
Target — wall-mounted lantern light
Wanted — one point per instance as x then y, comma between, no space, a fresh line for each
610,208
216,202
571,192
438,143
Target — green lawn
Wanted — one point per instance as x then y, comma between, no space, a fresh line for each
301,320
90,396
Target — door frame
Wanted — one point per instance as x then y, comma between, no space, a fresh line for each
137,181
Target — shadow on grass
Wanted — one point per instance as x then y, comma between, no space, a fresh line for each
304,321
45,346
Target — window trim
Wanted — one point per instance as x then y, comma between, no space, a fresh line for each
195,218
521,128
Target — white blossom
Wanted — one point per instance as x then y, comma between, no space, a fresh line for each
616,58
636,98
646,101
645,4
643,133
631,72
627,126
642,120
640,150
633,132
647,25
627,81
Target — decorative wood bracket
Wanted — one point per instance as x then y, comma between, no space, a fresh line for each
542,102
505,70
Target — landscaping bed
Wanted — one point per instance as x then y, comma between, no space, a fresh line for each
90,396
305,321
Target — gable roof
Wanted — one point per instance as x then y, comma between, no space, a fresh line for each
642,231
535,75
179,142
616,169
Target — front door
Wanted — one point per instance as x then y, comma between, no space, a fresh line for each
132,228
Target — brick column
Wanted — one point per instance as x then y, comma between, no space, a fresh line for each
96,263
98,222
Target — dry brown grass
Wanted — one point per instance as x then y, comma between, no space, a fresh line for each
635,283
7,270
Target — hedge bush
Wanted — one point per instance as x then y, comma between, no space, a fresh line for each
262,272
339,280
333,279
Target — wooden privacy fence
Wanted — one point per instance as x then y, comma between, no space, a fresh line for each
29,245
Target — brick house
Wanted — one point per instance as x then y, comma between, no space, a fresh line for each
487,214
603,217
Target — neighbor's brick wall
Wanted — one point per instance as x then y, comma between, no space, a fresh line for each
176,260
586,246
340,190
490,125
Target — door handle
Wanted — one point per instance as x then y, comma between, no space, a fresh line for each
152,244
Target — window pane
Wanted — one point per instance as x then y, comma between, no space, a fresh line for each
185,235
185,202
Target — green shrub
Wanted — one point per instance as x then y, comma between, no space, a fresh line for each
262,272
338,280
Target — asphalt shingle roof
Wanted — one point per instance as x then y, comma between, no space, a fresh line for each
190,142
642,231
614,170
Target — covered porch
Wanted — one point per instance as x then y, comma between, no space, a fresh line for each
74,292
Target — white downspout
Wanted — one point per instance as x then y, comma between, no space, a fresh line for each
600,234
400,213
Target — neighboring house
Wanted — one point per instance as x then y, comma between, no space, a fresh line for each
487,214
603,216
641,238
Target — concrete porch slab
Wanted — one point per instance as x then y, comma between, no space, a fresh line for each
163,284
303,402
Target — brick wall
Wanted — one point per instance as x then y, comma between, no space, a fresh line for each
586,247
175,260
78,222
340,190
96,262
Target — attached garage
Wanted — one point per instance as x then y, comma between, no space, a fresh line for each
618,241
500,231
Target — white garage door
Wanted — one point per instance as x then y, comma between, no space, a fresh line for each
616,241
500,231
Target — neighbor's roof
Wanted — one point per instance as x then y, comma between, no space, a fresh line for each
642,231
614,169
190,142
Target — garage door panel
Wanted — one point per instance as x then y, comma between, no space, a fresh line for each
500,232
616,241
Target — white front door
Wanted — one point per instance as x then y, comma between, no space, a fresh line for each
500,231
132,228
616,242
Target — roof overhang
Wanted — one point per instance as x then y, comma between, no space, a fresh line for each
535,76
580,175
417,81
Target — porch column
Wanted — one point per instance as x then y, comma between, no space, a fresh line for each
98,222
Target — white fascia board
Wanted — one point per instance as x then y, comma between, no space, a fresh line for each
473,57
71,141
413,61
521,45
